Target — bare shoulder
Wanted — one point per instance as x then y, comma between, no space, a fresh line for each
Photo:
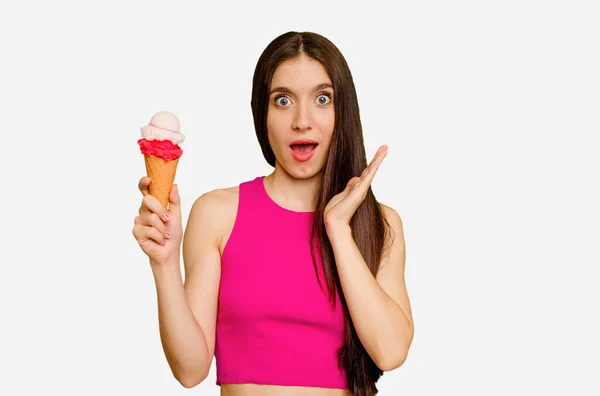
394,221
390,213
217,210
218,200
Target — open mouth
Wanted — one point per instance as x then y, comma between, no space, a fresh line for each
303,149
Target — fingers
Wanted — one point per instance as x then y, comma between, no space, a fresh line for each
143,234
379,156
152,220
151,205
361,184
150,224
143,185
175,200
369,172
352,182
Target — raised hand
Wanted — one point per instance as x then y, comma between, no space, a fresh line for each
342,206
157,230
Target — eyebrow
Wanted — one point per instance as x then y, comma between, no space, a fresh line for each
287,90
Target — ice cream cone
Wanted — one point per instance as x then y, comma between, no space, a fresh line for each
162,174
160,146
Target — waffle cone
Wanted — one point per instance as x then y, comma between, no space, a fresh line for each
162,174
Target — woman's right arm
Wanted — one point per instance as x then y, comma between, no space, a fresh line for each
187,312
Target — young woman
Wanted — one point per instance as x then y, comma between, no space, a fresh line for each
293,281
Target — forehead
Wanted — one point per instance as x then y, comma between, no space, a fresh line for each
302,73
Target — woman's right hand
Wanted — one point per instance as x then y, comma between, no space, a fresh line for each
157,230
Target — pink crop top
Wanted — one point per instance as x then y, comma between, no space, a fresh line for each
275,326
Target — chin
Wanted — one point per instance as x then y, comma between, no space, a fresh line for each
303,171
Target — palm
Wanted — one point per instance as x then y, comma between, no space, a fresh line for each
341,208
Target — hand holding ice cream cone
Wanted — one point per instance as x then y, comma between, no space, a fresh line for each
159,231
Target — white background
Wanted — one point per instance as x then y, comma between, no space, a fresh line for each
490,110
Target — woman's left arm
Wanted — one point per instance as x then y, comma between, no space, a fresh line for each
379,306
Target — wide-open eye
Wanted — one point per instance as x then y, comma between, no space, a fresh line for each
324,98
282,100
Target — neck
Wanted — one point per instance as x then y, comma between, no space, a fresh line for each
292,193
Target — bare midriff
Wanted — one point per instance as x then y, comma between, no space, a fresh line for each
271,390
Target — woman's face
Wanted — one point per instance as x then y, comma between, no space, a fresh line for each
301,116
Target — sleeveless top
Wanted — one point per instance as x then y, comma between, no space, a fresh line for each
275,324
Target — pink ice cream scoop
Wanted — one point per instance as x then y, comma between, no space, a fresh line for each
160,145
161,137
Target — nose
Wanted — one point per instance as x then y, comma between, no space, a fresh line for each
301,119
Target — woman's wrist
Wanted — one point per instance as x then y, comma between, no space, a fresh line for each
172,265
335,230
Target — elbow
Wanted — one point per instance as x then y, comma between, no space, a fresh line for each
391,357
190,381
390,361
188,384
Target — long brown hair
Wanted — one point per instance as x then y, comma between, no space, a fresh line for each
347,158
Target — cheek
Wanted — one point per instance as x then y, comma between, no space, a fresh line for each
327,129
273,139
270,128
274,127
326,122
